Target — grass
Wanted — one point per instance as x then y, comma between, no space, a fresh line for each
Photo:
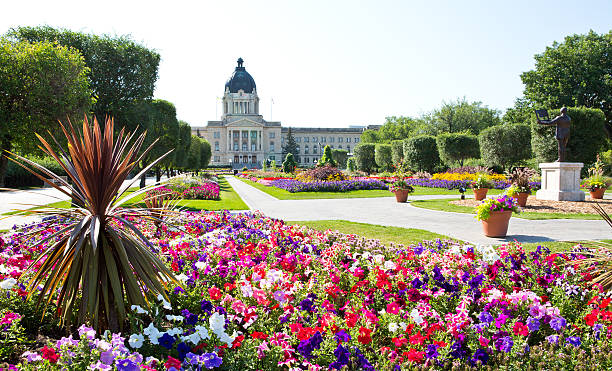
444,205
558,246
282,194
385,234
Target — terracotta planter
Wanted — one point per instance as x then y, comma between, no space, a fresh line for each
401,195
497,224
598,193
480,193
521,198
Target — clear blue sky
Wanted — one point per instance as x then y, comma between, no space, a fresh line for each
331,63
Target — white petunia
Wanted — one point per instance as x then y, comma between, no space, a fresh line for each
416,316
379,258
175,331
200,265
136,340
139,309
8,283
175,318
202,332
217,322
182,277
393,327
389,265
193,338
403,325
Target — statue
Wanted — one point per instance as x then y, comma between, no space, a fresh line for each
562,122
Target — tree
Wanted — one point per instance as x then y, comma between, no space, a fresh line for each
290,146
457,147
369,136
505,145
397,152
289,163
122,71
461,116
326,158
364,157
340,156
383,157
40,83
576,72
164,128
421,153
183,144
194,155
205,153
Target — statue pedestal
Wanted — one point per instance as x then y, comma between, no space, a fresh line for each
560,181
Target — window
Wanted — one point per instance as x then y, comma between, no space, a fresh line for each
217,158
315,139
217,146
306,159
323,139
306,139
235,146
254,159
253,147
271,146
298,139
356,140
272,135
331,139
217,135
348,148
298,149
306,149
314,149
244,147
245,134
272,158
340,139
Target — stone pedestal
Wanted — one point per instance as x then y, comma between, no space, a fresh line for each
560,181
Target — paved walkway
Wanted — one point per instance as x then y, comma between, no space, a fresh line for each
385,211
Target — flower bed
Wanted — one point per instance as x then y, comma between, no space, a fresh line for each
456,184
188,189
259,294
294,186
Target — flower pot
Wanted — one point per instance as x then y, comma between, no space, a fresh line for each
401,195
497,224
480,193
521,198
598,193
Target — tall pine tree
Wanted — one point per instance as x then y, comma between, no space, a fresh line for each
290,145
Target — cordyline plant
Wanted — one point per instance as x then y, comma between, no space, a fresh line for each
100,252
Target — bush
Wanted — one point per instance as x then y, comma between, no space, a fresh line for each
457,147
397,152
365,157
505,145
289,163
383,157
421,153
350,164
587,136
326,158
340,156
17,176
321,173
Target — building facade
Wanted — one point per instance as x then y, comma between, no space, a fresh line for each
242,138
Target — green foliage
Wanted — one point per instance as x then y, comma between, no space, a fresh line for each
587,136
505,145
17,176
457,147
183,144
205,153
194,155
505,203
397,152
40,83
461,116
365,157
122,72
483,180
573,73
290,145
521,113
163,127
350,164
421,153
369,136
383,157
289,163
340,156
326,158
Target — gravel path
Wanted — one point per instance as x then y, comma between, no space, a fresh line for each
385,211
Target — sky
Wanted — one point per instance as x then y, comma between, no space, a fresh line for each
330,63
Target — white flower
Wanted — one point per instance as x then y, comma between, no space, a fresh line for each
150,329
389,265
200,265
202,332
136,340
164,302
174,331
193,338
139,309
152,333
175,318
274,275
3,269
182,277
379,258
226,338
403,325
8,283
416,316
217,322
393,327
247,290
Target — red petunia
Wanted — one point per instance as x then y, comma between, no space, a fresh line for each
393,308
259,335
399,342
520,329
351,319
172,362
214,293
591,318
364,335
49,354
415,356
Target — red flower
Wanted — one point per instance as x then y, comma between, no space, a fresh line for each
351,319
399,342
415,356
49,354
604,303
364,335
237,341
172,362
520,329
591,318
214,293
259,335
417,339
393,308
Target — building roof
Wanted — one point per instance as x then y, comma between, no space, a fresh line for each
240,80
322,130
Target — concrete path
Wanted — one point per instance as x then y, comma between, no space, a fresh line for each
385,211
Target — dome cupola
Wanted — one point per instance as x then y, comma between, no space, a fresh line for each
240,80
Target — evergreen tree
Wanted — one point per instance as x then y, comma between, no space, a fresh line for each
326,158
289,163
290,145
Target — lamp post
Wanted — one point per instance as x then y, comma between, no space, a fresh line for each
462,191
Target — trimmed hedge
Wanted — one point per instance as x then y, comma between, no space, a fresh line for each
457,147
397,152
505,145
421,153
587,136
365,157
340,156
289,164
383,157
17,177
350,164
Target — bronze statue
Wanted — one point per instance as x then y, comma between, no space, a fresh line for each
562,122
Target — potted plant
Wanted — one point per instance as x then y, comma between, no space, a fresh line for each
596,183
481,186
495,213
520,188
401,190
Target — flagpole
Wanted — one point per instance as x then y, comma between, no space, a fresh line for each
271,103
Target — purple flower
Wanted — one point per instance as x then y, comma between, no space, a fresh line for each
485,317
480,355
343,336
553,339
499,321
574,340
127,365
533,324
211,360
166,340
432,351
504,344
342,357
558,323
107,357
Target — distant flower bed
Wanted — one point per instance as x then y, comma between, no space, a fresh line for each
466,176
188,189
294,186
456,184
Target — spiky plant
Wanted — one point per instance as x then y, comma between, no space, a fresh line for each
100,252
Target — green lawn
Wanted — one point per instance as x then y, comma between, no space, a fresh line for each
282,194
444,205
385,234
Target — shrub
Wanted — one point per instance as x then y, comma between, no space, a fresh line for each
350,164
365,157
323,173
457,147
421,153
383,157
587,137
17,176
397,151
340,156
505,145
289,163
326,158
